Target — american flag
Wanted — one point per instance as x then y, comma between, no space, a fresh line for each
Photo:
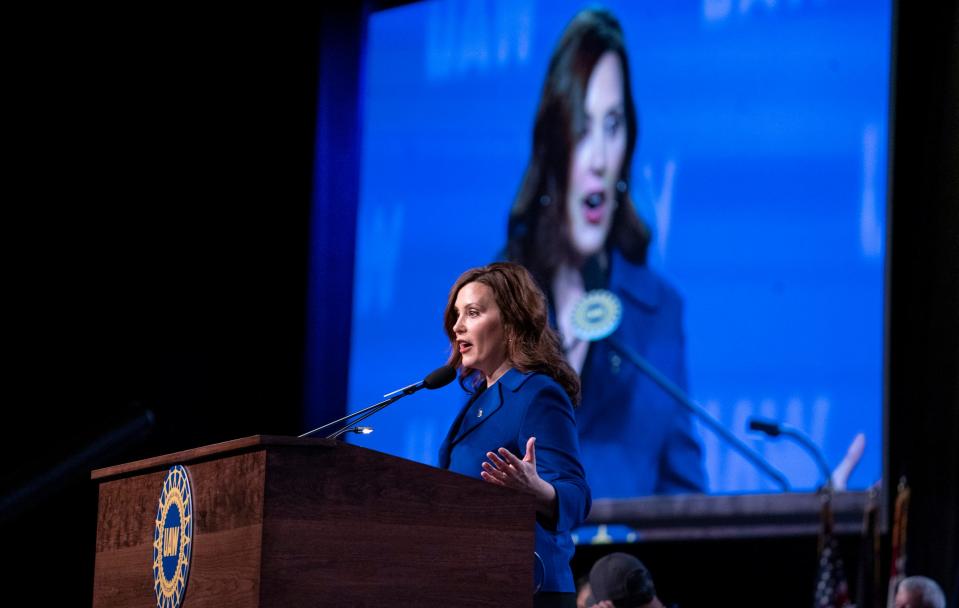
897,570
832,591
868,595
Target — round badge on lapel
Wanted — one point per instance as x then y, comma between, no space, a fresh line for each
597,315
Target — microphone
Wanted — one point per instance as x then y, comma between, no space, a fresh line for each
438,378
766,426
775,429
599,314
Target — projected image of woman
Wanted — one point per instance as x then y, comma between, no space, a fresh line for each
574,226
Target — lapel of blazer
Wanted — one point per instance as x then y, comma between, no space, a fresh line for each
639,283
491,405
444,461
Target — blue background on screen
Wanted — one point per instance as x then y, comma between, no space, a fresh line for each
761,166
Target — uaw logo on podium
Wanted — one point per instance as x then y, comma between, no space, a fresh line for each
173,539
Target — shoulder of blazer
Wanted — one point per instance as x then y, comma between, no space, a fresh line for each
513,380
642,284
532,383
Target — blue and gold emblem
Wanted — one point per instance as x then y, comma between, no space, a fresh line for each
173,539
597,315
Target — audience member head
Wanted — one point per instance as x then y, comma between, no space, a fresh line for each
919,592
623,580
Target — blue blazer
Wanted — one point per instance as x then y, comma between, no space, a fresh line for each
515,408
635,439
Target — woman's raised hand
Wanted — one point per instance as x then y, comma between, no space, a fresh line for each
507,470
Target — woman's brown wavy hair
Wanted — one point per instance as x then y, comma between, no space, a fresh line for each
532,346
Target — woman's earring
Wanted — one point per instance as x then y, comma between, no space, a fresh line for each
622,186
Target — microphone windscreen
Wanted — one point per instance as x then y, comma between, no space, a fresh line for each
439,377
765,426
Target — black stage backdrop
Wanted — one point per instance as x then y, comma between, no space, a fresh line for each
161,197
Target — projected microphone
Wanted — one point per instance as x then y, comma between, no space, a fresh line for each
775,429
437,378
598,315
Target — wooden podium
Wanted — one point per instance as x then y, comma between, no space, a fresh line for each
280,521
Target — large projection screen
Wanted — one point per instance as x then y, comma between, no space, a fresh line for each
760,168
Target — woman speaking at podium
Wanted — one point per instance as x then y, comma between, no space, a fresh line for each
518,429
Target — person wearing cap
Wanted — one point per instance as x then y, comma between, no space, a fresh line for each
619,580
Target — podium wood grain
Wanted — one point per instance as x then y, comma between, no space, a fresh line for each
289,522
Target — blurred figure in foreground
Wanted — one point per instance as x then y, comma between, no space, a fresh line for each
619,580
919,592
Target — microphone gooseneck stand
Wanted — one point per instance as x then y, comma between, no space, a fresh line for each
438,378
704,416
775,429
362,414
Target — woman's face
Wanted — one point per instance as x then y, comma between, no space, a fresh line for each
597,158
480,338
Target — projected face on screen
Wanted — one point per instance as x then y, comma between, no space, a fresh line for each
597,159
743,231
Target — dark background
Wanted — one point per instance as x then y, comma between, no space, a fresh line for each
161,197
